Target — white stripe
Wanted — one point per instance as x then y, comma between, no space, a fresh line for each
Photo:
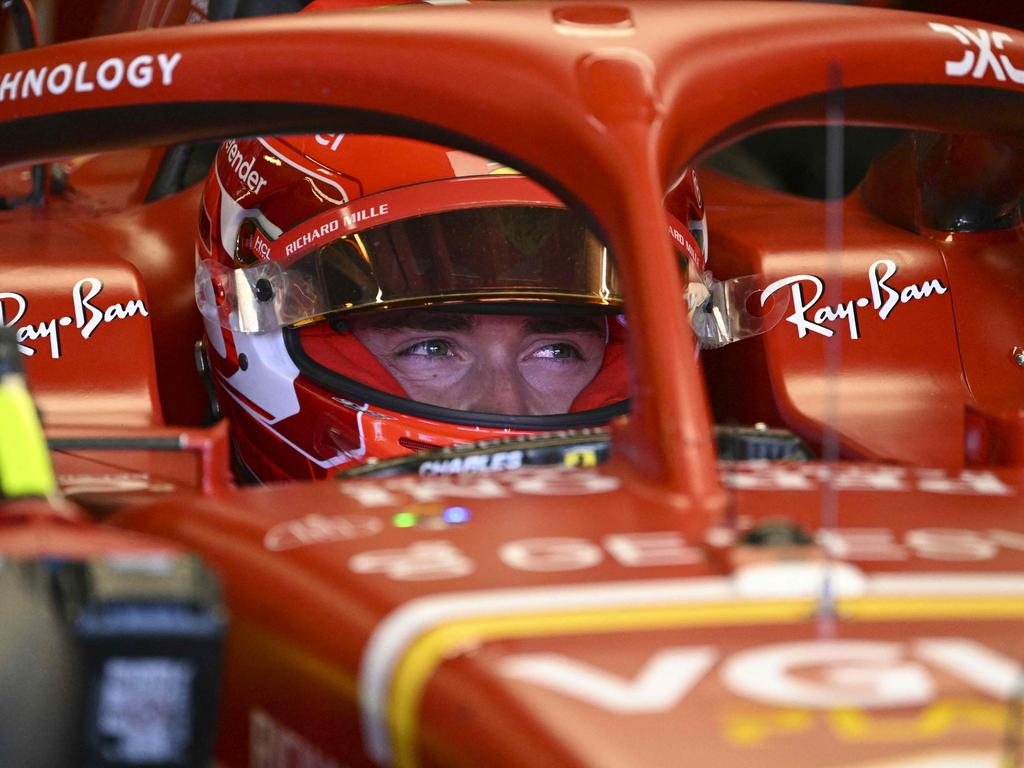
393,637
959,759
342,456
947,585
293,164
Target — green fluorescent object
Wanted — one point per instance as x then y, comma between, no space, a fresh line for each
404,520
25,468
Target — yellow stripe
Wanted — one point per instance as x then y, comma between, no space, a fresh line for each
428,651
923,608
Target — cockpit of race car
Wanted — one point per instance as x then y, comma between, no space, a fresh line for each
548,383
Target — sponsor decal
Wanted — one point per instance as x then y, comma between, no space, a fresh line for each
422,561
259,244
882,298
829,675
318,529
273,745
748,475
944,544
349,221
979,57
330,140
685,244
440,559
306,238
86,317
769,476
544,481
121,482
752,727
242,165
847,674
570,553
495,462
85,76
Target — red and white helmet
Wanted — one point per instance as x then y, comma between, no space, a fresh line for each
297,233
688,220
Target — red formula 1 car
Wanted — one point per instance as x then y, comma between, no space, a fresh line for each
803,546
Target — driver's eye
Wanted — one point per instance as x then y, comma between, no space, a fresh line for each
431,348
559,352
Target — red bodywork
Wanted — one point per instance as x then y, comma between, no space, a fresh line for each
620,615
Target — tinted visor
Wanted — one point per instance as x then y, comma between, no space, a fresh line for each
498,253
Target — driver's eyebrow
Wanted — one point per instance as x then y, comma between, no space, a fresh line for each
564,324
420,320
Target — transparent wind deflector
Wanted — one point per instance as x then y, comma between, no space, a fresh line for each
725,311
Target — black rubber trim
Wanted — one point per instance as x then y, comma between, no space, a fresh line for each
543,450
353,390
115,444
734,444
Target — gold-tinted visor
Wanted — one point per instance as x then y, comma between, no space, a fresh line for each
495,252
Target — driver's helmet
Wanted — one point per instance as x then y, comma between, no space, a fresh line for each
305,240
